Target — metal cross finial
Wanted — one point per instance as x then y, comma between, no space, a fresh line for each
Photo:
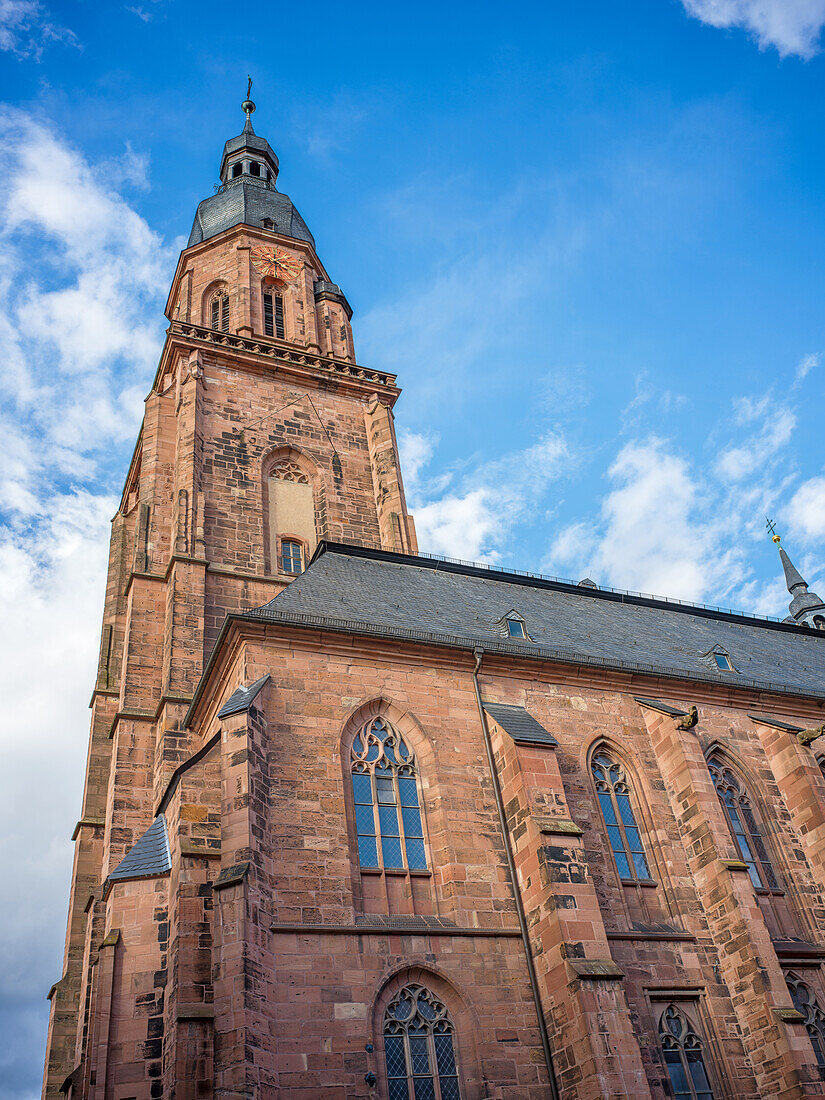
771,527
248,86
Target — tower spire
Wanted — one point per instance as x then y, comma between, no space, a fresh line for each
806,608
248,107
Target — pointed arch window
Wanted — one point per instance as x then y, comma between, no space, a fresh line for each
804,1001
387,807
418,1047
219,311
683,1053
743,824
274,315
613,790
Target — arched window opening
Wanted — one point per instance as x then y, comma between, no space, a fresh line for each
236,170
219,311
819,622
292,556
613,790
384,782
805,1001
418,1047
254,168
273,315
682,1049
743,825
291,516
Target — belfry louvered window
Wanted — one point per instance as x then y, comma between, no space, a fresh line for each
682,1049
613,790
273,315
743,825
418,1047
385,793
805,1002
219,312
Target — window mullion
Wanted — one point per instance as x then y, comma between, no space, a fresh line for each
376,819
400,816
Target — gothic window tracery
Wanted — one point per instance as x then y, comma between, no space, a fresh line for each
287,470
682,1049
385,793
805,1001
418,1047
613,790
743,825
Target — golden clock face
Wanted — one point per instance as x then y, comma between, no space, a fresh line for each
275,265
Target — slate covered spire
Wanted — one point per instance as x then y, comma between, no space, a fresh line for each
806,608
247,194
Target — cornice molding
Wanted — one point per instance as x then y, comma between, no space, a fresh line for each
287,359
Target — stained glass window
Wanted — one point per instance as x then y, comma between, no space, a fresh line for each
418,1047
682,1049
385,792
743,825
613,790
805,1002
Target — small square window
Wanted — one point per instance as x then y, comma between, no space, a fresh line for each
723,662
515,628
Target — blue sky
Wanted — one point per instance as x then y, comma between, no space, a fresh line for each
588,237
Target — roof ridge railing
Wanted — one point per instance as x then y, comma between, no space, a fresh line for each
491,568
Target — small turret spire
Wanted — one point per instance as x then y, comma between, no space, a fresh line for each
806,607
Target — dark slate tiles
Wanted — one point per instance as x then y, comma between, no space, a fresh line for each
389,594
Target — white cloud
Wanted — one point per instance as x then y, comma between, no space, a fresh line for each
81,299
768,429
790,26
25,28
806,364
806,510
473,520
652,534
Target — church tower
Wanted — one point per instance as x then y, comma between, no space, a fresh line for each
262,436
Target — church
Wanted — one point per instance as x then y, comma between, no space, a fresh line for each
364,824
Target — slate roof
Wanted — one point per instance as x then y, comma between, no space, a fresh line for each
520,724
244,202
148,856
353,589
242,698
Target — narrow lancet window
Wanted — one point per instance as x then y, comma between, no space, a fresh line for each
418,1047
273,315
219,312
613,790
385,792
743,825
682,1049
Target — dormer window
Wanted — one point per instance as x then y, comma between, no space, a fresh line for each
268,223
515,628
723,662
